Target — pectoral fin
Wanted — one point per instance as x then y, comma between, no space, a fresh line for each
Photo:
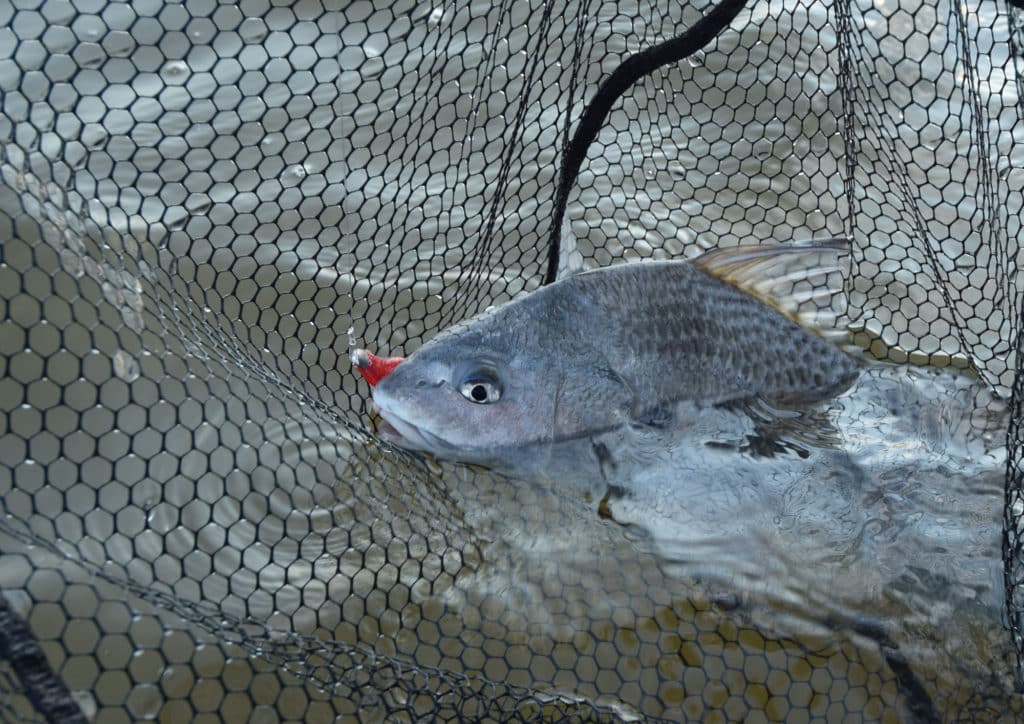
592,399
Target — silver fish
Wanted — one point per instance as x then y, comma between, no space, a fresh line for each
621,345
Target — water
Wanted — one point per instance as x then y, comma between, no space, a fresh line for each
883,504
275,228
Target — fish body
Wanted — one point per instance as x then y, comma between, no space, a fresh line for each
609,347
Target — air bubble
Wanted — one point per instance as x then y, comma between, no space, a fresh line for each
435,18
126,367
697,59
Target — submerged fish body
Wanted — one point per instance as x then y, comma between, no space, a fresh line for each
614,346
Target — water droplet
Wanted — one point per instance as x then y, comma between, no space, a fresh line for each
174,69
696,59
640,244
253,30
762,149
931,136
113,295
72,263
132,319
372,68
74,159
126,367
121,51
272,143
293,175
90,60
95,138
676,170
198,204
435,18
86,702
129,281
375,46
177,219
351,336
93,269
74,242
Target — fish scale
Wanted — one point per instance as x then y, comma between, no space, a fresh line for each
710,325
611,346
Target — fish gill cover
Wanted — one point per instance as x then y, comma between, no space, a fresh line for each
205,207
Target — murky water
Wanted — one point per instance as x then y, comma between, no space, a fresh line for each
884,504
876,515
252,229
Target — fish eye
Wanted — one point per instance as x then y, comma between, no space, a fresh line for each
481,389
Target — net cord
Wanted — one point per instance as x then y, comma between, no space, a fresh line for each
1013,491
622,79
43,687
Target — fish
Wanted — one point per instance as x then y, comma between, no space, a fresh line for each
621,345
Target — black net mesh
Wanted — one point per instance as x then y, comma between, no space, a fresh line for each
204,206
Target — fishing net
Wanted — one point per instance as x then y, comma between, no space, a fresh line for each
205,206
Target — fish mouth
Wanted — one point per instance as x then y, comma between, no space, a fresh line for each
396,429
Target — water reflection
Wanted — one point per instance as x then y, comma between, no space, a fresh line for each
882,505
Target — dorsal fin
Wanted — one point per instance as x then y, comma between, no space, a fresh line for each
802,280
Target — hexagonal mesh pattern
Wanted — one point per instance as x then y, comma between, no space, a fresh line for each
204,205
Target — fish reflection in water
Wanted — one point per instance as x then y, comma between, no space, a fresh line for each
896,481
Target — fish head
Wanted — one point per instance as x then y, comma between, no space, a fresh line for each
467,398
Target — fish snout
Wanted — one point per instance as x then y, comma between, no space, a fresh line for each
424,382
